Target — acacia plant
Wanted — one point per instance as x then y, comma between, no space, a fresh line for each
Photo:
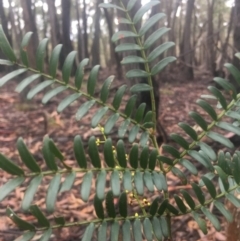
132,172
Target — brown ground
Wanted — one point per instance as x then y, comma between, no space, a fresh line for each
32,121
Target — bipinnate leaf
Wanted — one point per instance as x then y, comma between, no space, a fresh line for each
37,213
68,182
79,152
118,97
88,232
123,34
40,55
86,186
211,218
67,101
121,154
161,65
102,231
115,183
201,223
20,223
52,192
27,81
80,73
137,230
105,88
67,66
138,15
157,228
9,166
224,211
108,153
101,184
23,50
138,181
10,186
147,229
133,156
30,192
123,204
98,207
46,235
92,79
11,75
52,93
110,205
93,152
126,230
83,110
6,47
35,90
48,155
53,63
115,231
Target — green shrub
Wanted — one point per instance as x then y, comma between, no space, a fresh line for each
136,171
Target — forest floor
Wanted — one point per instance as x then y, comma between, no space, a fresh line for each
32,121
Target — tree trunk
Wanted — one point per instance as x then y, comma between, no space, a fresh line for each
85,34
186,42
96,38
80,36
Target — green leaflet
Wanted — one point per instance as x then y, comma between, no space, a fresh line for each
21,224
10,186
147,229
114,231
174,152
208,150
178,173
110,205
159,50
236,168
133,157
172,209
5,62
163,207
105,88
137,73
188,199
137,226
138,182
225,84
127,47
161,65
102,231
88,232
140,88
211,218
180,140
86,186
233,71
199,193
27,81
67,101
224,211
53,63
150,22
164,226
140,112
101,184
108,153
229,127
122,203
124,20
143,10
201,223
144,157
123,34
40,55
83,110
131,4
30,192
23,50
189,130
220,138
67,66
93,152
189,166
52,192
132,60
148,117
233,115
123,128
152,159
11,75
39,88
50,94
59,220
118,97
98,116
147,177
199,120
9,166
133,133
80,73
6,47
157,228
110,123
121,154
46,235
165,160
110,5
92,79
223,176
157,180
154,206
208,108
235,201
27,236
98,207
126,230
37,213
68,182
210,186
219,96
115,183
79,152
180,204
127,180
130,105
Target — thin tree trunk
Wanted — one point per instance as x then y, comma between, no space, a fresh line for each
85,34
80,35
